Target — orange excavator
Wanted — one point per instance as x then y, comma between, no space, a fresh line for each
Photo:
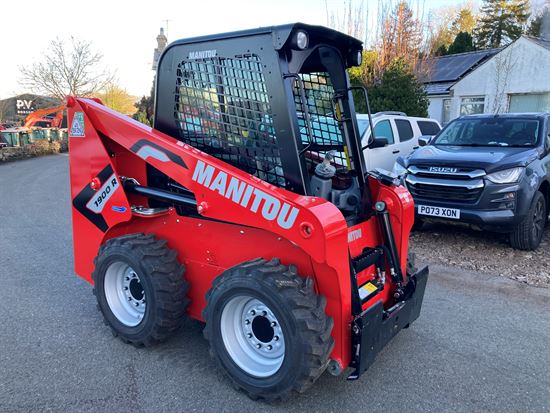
40,117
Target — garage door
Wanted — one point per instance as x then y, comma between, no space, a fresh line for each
535,102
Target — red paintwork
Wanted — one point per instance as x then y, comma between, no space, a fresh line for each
208,247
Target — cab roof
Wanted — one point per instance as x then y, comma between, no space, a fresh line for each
281,35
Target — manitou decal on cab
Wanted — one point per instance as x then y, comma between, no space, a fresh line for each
202,54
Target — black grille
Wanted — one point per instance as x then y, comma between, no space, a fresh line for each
222,107
456,177
325,130
444,193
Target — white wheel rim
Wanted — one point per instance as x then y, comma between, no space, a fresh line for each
124,293
252,336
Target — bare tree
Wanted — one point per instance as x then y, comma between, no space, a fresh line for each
351,19
67,68
504,66
402,38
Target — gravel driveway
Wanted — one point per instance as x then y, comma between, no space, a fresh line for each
482,251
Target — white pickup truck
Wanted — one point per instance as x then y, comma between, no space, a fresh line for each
396,134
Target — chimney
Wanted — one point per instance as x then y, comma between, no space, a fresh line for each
545,26
161,40
161,45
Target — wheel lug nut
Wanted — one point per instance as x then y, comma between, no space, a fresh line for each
249,335
247,322
129,298
127,278
270,347
137,304
258,346
125,288
264,313
253,312
276,338
273,324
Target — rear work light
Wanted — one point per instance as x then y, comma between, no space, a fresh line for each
301,40
356,58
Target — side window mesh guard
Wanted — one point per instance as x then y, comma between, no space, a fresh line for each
221,107
325,129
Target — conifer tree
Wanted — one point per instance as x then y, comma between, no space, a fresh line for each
501,22
463,43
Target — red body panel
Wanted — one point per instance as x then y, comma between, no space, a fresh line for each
308,232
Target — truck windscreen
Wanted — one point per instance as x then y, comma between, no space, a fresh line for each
512,132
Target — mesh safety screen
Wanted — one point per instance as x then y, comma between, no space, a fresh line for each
325,130
222,108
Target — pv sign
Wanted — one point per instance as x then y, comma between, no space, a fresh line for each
24,106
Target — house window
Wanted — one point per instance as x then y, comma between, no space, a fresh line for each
446,111
472,105
533,102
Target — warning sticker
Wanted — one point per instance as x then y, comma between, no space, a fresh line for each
77,127
367,290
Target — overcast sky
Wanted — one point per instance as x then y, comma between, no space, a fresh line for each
125,31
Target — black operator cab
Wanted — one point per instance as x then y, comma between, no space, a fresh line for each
275,102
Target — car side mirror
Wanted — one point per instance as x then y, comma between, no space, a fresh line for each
424,140
378,142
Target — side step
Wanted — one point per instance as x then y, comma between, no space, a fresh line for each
368,257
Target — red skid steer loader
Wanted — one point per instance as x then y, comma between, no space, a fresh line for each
248,207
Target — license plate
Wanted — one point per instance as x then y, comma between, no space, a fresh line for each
439,212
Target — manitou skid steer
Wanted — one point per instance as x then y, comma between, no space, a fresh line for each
248,207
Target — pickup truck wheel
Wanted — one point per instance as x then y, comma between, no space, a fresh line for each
528,234
140,289
267,329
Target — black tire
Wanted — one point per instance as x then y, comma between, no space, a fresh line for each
528,234
160,277
298,309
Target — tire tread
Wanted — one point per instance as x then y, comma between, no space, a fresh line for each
167,277
307,308
521,238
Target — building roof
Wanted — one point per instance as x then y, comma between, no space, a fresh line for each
541,42
438,88
453,67
445,71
